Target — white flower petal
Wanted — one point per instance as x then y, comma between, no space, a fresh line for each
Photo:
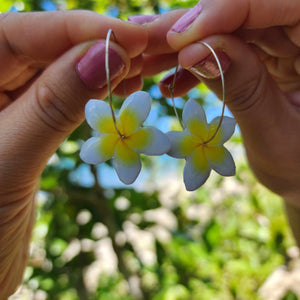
91,153
97,112
127,173
221,161
134,112
140,102
179,147
193,110
195,173
149,141
127,163
225,132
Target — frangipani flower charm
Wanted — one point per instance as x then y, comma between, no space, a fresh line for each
123,148
202,156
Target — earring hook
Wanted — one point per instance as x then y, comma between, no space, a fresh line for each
109,33
171,88
223,91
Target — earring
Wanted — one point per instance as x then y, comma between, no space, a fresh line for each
122,138
200,143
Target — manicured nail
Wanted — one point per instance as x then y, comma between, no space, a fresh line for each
297,65
168,80
91,67
208,67
187,19
142,19
294,98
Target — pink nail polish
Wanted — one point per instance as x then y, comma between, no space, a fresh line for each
294,98
208,67
187,19
142,19
91,67
170,78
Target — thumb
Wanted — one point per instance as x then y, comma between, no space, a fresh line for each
267,120
249,90
53,106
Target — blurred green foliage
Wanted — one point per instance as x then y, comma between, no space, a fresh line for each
154,240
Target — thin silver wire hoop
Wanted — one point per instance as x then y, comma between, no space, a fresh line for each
107,41
223,90
171,88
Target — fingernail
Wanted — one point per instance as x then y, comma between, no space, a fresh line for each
294,98
91,67
208,67
297,65
187,19
142,19
170,78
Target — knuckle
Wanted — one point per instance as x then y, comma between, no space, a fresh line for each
52,108
249,94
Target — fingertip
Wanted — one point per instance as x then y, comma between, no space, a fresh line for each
184,81
136,66
131,37
176,40
154,64
128,86
135,40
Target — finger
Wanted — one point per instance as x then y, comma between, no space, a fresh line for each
273,41
210,17
154,64
128,86
157,29
283,70
53,106
59,31
260,108
287,85
184,81
136,66
24,47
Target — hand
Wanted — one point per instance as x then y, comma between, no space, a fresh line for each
51,64
271,28
262,78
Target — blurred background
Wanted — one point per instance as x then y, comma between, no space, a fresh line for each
96,238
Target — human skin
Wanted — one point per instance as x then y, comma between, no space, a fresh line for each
42,97
44,85
261,42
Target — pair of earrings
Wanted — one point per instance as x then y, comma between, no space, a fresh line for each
123,138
